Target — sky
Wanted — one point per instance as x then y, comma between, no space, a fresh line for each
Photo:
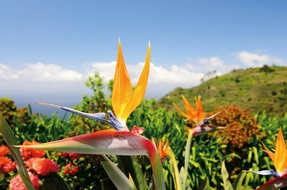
48,48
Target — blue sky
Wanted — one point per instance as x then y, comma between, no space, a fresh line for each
49,48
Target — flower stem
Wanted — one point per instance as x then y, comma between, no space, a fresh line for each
186,160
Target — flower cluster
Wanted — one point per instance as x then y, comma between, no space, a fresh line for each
17,184
6,164
37,165
42,166
72,155
242,127
28,153
70,169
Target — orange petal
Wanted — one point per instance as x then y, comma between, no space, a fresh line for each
271,154
122,87
199,110
189,109
140,89
181,112
280,153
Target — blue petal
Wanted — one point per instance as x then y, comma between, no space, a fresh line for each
208,118
100,117
115,122
94,116
265,172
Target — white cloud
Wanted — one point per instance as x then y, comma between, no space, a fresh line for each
50,72
6,73
205,65
105,69
211,62
258,60
51,79
185,75
176,75
40,72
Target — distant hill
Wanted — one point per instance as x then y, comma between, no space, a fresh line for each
255,89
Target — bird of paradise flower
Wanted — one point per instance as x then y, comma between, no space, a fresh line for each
279,158
117,141
198,116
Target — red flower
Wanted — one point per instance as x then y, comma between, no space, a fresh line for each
42,166
70,169
137,130
6,165
72,155
4,150
28,153
3,160
17,184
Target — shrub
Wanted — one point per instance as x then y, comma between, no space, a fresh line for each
12,113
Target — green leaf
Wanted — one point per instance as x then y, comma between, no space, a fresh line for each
132,167
237,184
157,168
186,157
225,175
255,154
116,175
10,140
204,185
174,171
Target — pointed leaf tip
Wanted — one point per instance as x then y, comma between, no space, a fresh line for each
50,105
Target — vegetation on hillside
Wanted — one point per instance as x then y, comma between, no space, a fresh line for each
254,89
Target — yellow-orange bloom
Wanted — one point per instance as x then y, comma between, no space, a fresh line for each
124,99
197,114
279,157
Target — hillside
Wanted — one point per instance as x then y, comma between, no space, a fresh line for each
255,89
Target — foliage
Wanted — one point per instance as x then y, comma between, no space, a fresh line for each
12,113
94,104
239,145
